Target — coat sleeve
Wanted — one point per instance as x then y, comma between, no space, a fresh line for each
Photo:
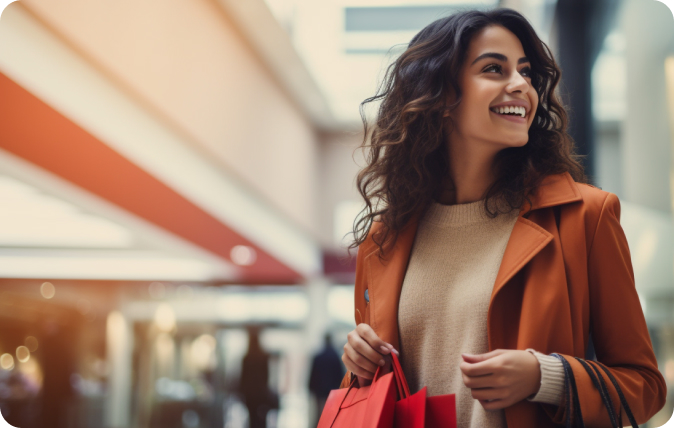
621,339
360,306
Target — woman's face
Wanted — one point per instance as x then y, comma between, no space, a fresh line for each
495,72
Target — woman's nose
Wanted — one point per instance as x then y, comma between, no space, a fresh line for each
517,83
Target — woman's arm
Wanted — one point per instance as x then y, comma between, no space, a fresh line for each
619,331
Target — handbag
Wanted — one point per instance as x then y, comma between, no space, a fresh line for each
572,394
376,406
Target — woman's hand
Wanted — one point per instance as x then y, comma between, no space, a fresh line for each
364,352
502,377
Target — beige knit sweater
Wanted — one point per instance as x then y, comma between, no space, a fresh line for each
443,307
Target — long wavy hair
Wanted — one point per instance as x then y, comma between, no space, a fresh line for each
407,161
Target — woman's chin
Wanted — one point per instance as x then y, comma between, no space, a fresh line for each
515,142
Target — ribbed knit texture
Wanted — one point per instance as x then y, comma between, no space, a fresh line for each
552,379
443,306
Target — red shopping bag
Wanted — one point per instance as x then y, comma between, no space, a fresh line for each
418,410
375,406
370,406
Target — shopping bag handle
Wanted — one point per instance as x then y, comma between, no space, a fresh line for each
401,382
374,380
403,387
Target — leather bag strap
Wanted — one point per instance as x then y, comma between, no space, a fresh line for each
623,401
572,394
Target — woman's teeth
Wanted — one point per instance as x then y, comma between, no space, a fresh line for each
520,111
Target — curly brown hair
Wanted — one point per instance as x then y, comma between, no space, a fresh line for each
407,160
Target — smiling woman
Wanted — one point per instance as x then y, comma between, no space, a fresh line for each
484,257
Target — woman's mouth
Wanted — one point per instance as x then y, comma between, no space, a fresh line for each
512,114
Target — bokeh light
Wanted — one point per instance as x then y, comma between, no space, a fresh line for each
202,352
243,255
165,318
7,361
47,290
31,343
22,354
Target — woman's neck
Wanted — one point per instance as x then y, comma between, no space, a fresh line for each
471,172
470,185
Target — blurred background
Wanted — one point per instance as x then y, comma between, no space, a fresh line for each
177,179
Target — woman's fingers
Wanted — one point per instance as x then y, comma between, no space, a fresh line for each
482,368
366,332
487,394
479,381
355,368
364,351
359,359
360,345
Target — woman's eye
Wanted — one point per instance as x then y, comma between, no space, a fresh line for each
526,71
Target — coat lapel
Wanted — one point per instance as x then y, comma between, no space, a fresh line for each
385,278
527,238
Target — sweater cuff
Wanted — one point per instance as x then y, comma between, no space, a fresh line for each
552,379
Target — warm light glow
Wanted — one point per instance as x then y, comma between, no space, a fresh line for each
47,290
7,361
31,343
32,370
165,318
243,255
22,354
115,326
202,352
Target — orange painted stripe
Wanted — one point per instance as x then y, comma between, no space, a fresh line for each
34,131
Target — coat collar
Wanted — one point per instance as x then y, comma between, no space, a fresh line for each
385,277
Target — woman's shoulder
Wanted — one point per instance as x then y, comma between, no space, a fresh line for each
598,207
596,199
579,202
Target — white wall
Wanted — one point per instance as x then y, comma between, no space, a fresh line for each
339,167
184,60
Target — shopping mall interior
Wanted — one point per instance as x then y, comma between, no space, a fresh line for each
177,188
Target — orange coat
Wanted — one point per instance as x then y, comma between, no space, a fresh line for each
566,272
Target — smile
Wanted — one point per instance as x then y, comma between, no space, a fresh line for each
511,118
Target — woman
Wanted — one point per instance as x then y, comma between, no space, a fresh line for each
482,251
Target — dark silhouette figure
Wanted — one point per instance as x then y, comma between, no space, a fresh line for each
254,382
326,374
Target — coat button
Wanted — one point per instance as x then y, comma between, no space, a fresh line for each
367,296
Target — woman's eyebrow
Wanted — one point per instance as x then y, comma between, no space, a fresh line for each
499,57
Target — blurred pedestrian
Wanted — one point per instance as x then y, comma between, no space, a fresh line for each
254,383
326,374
